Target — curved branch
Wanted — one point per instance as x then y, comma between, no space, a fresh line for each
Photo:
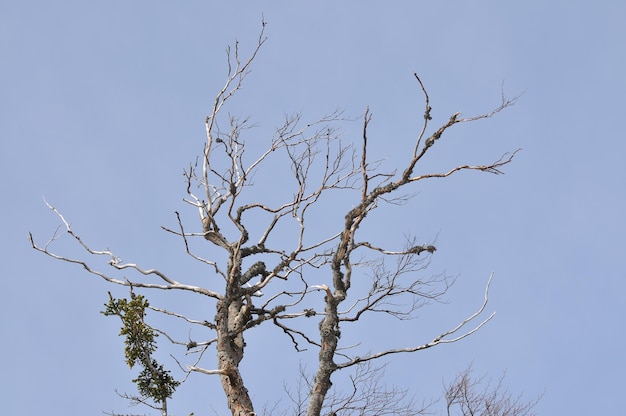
115,263
440,339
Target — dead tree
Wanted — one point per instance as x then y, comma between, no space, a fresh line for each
470,396
310,271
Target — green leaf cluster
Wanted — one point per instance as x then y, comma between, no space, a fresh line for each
153,381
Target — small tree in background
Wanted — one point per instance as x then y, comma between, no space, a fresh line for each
466,396
280,269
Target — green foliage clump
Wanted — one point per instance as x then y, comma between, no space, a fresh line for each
153,381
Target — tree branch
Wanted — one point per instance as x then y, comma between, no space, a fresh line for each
440,339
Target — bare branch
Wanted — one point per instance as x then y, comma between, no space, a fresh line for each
440,339
183,317
115,262
369,395
491,168
205,371
427,117
194,256
467,395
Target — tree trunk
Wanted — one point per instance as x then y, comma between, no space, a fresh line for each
329,331
230,346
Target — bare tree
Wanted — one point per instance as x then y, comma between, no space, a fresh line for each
465,395
306,273
365,393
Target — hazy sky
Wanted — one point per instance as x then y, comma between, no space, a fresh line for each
102,105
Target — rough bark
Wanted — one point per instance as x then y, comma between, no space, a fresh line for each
230,350
329,339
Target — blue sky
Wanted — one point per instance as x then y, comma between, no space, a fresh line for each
102,105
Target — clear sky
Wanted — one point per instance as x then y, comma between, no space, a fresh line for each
102,105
